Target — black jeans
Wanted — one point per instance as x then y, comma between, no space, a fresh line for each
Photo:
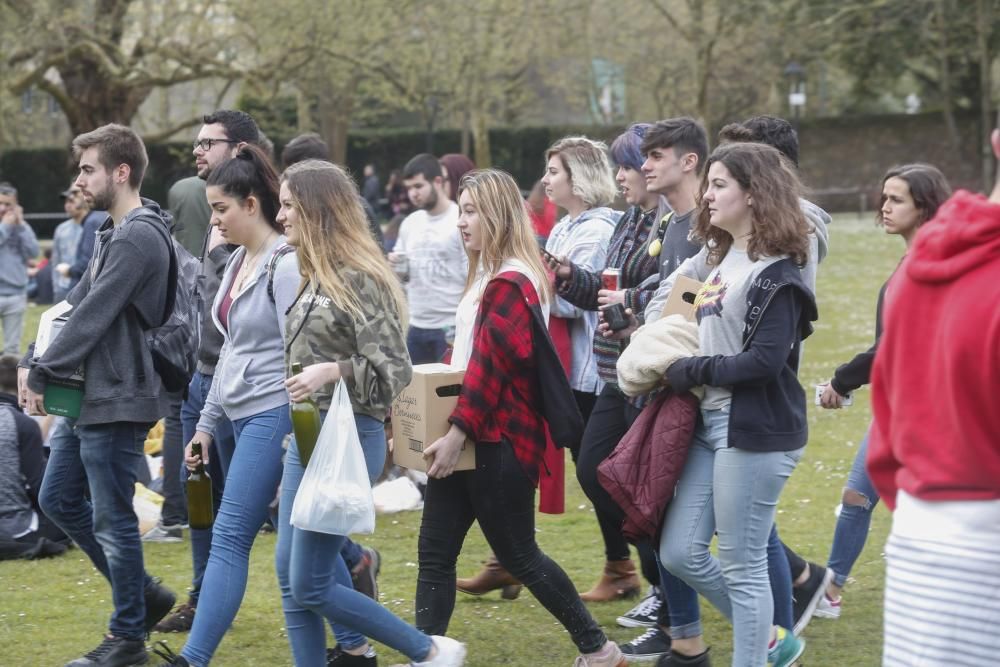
501,496
609,421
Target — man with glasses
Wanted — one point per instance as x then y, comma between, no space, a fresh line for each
222,135
17,245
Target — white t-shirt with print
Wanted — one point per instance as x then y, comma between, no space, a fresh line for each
438,266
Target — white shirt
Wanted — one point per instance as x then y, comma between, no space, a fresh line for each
438,266
468,311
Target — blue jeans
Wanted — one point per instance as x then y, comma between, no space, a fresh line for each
734,492
426,346
779,573
174,501
854,520
220,455
315,583
103,458
253,478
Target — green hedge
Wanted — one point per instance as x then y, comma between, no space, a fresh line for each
41,174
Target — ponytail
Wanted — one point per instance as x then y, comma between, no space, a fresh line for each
250,173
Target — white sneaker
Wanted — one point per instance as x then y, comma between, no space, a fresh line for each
609,656
828,608
450,653
161,533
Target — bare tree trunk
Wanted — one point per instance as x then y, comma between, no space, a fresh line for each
985,93
481,140
945,67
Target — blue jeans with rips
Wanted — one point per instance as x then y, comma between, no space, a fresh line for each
854,521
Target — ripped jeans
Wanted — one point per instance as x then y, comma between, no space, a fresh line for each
854,520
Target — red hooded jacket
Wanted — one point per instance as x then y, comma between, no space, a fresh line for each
936,378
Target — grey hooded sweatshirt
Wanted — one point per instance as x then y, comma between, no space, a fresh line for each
123,293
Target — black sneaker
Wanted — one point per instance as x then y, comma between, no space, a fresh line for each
807,596
170,658
159,601
337,657
650,646
645,614
365,573
674,659
181,620
114,652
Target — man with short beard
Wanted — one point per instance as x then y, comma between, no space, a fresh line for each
430,252
124,293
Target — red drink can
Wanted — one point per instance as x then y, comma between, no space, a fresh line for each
610,279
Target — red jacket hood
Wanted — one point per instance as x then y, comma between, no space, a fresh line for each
964,234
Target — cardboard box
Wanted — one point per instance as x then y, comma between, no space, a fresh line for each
63,396
420,416
681,299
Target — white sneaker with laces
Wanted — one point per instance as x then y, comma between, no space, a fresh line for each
828,608
450,653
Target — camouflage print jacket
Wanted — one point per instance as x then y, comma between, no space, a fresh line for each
371,353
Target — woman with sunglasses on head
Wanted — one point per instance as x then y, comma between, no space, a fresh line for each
257,289
498,409
347,325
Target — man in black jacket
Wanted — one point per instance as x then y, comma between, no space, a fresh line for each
123,293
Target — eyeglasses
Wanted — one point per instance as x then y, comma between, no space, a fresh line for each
206,144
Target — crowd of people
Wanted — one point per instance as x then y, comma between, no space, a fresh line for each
568,338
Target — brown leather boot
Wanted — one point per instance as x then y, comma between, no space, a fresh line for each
490,578
618,582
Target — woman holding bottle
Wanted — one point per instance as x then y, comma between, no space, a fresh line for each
348,325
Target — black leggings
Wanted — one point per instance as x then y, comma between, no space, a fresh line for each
501,496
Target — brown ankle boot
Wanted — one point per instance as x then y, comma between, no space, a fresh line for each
618,582
490,578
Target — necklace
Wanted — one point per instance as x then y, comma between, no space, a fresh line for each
250,262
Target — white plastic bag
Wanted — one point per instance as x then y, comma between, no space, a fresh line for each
335,495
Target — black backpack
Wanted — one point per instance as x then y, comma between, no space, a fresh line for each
174,344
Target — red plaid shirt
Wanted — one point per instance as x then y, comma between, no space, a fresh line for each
501,386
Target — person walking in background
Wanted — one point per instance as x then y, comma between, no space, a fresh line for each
371,189
429,253
222,134
933,451
911,195
578,179
346,325
542,211
124,293
18,246
453,167
65,241
507,292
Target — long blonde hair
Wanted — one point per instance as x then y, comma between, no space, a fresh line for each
506,227
334,236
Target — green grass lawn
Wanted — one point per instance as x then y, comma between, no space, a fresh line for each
52,611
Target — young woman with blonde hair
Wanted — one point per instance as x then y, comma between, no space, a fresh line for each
347,325
498,410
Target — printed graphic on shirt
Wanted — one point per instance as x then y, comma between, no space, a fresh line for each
710,296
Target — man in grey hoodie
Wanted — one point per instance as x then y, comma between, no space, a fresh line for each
123,294
17,245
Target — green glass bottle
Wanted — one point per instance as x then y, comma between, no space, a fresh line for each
199,495
306,423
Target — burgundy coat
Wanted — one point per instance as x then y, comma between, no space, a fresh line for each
642,471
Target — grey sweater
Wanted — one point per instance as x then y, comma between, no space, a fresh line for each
17,245
250,376
123,293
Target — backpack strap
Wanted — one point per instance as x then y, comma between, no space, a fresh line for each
272,265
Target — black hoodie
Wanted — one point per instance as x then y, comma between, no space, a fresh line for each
768,408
